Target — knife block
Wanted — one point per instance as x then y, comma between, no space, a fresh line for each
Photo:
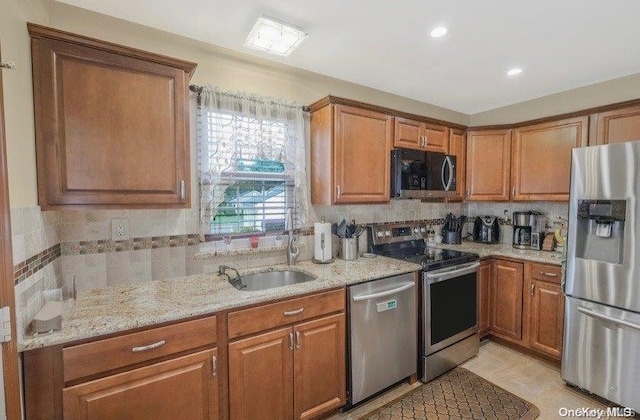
452,237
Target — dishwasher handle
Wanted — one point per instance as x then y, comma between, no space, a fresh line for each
402,288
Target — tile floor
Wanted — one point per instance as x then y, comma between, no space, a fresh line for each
532,379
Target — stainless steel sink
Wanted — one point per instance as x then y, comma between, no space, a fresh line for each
269,280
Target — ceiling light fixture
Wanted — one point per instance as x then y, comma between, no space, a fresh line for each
439,31
275,37
514,71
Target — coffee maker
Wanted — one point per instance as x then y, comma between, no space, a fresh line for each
528,229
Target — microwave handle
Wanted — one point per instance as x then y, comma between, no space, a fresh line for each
447,162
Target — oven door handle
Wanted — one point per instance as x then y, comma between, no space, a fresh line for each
437,276
402,288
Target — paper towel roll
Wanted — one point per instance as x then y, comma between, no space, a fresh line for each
322,250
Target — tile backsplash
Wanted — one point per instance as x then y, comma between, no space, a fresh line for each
51,248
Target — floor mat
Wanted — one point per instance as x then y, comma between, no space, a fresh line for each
458,394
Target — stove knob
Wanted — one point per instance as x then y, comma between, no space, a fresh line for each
423,230
387,233
379,234
416,230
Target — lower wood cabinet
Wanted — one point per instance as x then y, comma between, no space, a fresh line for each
506,299
484,292
546,309
524,304
287,359
185,387
261,376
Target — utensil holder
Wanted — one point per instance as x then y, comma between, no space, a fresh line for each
452,238
349,249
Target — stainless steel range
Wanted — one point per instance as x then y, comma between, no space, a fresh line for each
448,294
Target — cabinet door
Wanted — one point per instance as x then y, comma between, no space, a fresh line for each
261,376
488,162
541,159
617,126
319,360
181,388
547,317
407,133
506,299
458,148
484,293
111,126
436,138
362,156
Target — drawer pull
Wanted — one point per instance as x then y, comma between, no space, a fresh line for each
292,313
544,273
149,347
214,365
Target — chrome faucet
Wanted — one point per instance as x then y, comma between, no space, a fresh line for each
293,250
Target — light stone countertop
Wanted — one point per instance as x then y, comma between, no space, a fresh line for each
506,250
125,307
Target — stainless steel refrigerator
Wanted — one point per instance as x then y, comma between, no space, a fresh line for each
602,313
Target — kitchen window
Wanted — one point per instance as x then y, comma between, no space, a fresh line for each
251,163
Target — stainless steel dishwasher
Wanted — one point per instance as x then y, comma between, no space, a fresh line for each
383,331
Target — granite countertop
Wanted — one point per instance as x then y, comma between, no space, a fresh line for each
121,308
506,250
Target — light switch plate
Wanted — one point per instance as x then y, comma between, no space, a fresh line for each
119,229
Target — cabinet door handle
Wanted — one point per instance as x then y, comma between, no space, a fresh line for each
544,273
337,190
214,365
149,347
513,193
467,192
290,341
183,190
426,140
297,339
533,287
294,312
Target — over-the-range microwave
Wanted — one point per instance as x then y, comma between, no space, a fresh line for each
424,175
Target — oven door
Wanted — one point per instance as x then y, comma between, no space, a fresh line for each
449,304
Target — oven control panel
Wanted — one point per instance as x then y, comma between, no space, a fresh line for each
397,232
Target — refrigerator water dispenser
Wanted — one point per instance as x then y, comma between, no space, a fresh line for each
600,230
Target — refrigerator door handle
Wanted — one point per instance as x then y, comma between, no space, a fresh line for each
604,317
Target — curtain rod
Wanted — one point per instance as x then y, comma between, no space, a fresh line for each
198,91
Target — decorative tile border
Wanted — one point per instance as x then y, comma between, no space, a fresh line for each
102,246
36,263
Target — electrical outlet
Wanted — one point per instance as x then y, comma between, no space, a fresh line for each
119,229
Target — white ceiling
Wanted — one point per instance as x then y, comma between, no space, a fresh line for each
560,44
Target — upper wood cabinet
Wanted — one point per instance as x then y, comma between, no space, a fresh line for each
350,155
458,148
419,135
488,165
111,124
541,159
616,126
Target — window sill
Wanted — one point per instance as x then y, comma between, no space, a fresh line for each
212,252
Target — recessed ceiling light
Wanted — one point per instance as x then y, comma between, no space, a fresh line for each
275,37
438,32
514,71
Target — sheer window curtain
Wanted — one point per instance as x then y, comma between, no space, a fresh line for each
219,151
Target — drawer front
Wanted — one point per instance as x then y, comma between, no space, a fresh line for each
261,318
104,355
545,272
